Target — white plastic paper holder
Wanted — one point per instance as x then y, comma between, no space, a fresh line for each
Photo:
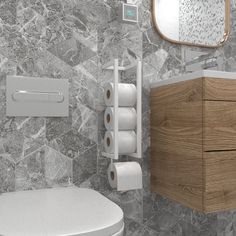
116,68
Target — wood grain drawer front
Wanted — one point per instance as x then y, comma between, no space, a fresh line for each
219,89
219,201
220,179
176,142
219,124
220,169
186,91
193,143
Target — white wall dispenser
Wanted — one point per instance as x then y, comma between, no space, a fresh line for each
123,121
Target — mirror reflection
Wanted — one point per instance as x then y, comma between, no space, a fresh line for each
195,22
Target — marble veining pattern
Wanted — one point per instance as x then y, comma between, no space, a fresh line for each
73,39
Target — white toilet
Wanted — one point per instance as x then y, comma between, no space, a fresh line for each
65,211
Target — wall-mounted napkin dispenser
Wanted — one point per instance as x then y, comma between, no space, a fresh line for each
30,96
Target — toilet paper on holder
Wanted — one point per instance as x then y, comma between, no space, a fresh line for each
127,94
127,118
126,142
125,176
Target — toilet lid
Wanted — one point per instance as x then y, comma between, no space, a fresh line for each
59,211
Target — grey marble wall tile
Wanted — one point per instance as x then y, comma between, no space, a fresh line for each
99,183
8,11
89,68
103,164
145,14
167,60
203,221
146,231
3,118
149,75
146,131
54,12
30,172
58,168
150,45
131,202
84,87
132,227
12,142
7,175
162,55
65,19
225,222
7,67
96,11
157,59
88,20
50,66
72,52
162,221
72,144
32,25
84,120
182,228
85,165
43,168
189,229
84,90
174,208
175,231
149,205
56,127
119,41
34,131
14,46
104,76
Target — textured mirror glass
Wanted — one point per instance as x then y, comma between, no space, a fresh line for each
195,22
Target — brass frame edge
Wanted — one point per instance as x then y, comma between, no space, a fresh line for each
224,39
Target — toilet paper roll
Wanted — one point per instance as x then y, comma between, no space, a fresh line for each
126,142
125,176
127,118
127,95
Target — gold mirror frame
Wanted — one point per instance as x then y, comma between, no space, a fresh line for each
226,33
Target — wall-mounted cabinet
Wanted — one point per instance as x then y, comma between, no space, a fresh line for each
193,140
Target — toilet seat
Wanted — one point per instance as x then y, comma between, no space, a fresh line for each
67,211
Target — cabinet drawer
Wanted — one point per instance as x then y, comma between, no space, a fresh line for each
219,89
220,180
220,171
219,125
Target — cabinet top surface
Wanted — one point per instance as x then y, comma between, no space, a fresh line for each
195,75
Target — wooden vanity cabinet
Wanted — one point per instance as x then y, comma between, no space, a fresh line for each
193,143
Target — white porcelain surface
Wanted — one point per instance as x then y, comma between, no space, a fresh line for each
195,75
59,211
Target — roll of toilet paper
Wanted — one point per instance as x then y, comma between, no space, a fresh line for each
127,118
127,95
125,176
126,142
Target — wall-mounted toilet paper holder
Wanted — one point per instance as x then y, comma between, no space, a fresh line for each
116,69
123,122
